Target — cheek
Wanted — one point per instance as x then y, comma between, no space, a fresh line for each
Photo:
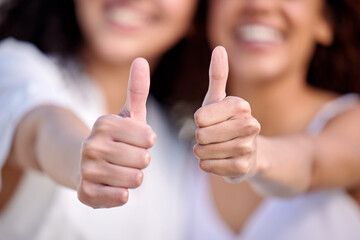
218,21
178,8
302,18
176,19
302,21
179,12
88,17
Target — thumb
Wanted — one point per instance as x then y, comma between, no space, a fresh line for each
218,74
137,91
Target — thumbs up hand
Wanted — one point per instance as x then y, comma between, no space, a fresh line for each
138,91
116,151
227,132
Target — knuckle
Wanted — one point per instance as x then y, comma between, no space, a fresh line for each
244,147
257,126
248,147
238,105
240,166
94,149
218,75
103,128
199,135
90,171
104,124
254,127
86,146
247,126
198,117
117,197
100,121
86,194
85,170
89,149
197,150
204,166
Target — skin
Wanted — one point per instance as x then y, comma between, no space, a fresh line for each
55,141
110,46
263,139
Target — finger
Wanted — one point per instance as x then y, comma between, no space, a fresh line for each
118,176
124,130
224,131
138,90
126,155
218,74
229,149
134,133
100,196
112,175
230,107
227,167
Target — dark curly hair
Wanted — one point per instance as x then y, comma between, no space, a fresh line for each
337,67
52,26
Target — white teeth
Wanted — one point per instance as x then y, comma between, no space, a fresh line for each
259,33
128,17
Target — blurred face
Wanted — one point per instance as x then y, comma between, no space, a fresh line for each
268,38
117,31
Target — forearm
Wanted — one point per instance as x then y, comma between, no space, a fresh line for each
49,139
284,165
291,165
337,162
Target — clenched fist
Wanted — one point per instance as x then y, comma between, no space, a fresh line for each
116,151
227,132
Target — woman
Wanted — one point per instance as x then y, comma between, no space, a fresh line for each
70,65
290,62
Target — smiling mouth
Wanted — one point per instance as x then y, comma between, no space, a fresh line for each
126,17
257,33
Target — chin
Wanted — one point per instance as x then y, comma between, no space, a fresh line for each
257,68
118,55
255,74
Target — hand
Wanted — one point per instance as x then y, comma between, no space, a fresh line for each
117,149
226,134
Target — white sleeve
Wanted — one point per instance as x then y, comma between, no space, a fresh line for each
28,78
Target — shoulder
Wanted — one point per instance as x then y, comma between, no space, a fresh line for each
343,108
28,76
25,60
13,49
346,110
12,45
344,125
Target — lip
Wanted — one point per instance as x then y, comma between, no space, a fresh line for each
128,16
258,36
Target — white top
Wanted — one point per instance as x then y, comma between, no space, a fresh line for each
322,215
40,209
